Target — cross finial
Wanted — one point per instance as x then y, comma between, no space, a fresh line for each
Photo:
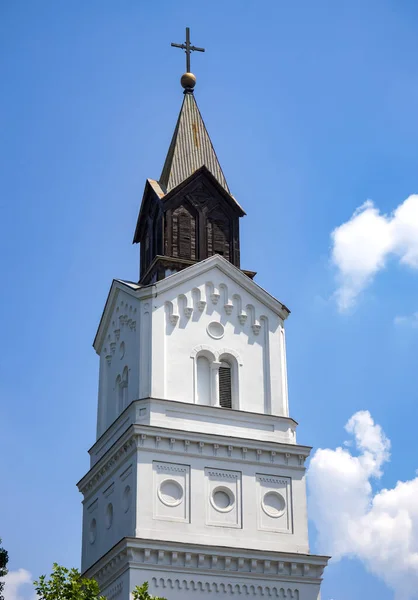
188,82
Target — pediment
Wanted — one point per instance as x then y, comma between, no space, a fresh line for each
211,283
126,287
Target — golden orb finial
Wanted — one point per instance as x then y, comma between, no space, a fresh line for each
188,81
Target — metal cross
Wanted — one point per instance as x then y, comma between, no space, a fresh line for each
188,48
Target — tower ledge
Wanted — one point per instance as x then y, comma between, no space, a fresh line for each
182,570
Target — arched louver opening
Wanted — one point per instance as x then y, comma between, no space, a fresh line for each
218,234
184,233
225,385
185,237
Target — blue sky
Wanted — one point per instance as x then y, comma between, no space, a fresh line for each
312,108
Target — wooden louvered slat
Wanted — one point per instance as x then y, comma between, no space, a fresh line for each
184,233
225,388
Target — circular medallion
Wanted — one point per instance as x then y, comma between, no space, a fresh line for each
273,504
222,499
170,492
216,330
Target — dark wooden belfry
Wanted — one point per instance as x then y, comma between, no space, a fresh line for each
189,214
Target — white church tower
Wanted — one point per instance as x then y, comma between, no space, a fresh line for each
196,481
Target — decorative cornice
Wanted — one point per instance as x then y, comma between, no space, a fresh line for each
208,291
106,465
169,468
222,474
206,560
160,440
272,479
231,271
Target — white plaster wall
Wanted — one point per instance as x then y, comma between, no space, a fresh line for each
157,333
119,355
246,527
177,586
119,491
252,336
164,328
118,588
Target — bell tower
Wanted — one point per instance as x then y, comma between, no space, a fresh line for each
189,214
196,481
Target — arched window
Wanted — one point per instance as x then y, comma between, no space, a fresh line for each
119,394
225,385
218,234
203,380
121,388
216,378
184,233
125,388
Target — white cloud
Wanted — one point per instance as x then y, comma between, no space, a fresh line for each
15,580
362,245
409,321
380,529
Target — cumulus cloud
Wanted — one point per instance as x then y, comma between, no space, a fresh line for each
14,582
379,528
362,246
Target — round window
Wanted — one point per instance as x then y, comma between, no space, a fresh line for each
170,492
222,499
216,330
273,504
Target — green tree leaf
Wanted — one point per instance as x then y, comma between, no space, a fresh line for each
4,559
141,593
67,584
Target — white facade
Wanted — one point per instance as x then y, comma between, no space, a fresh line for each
155,335
193,497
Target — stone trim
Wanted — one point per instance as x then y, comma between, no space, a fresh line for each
131,414
103,467
185,558
148,438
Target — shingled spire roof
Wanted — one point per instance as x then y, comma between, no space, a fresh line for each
190,148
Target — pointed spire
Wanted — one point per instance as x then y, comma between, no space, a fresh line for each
190,147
